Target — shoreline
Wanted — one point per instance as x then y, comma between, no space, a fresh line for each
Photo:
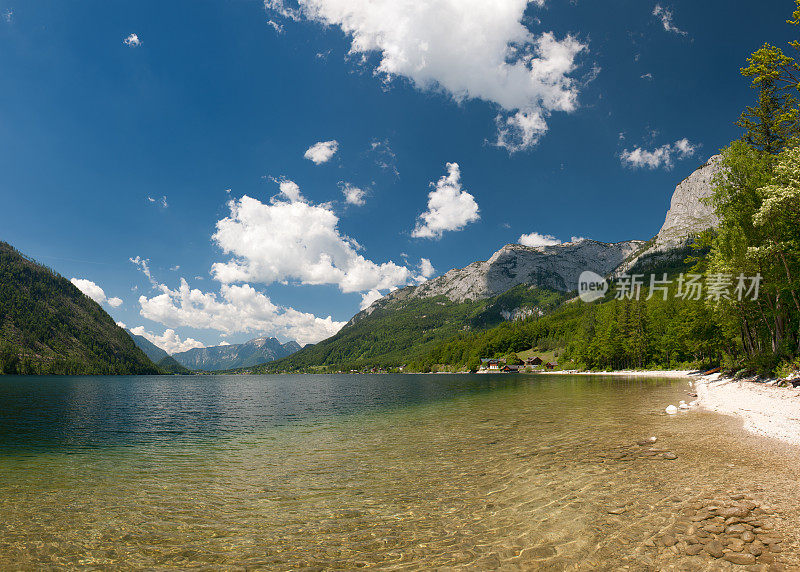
687,373
765,408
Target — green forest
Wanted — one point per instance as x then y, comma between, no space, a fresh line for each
47,326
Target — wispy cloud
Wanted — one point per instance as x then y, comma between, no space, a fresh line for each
663,156
665,15
162,202
144,266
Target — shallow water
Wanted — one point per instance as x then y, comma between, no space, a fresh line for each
337,472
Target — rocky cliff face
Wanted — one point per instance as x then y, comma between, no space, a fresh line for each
688,215
558,267
553,267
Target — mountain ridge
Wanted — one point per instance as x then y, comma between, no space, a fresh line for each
254,352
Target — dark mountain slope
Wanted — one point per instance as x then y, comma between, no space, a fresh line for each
155,353
47,326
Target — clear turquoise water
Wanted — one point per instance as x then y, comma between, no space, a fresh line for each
410,472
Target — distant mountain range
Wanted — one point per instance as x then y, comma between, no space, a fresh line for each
48,326
233,356
158,356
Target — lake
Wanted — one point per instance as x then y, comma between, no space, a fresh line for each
391,471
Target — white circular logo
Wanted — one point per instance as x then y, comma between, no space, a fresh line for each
591,286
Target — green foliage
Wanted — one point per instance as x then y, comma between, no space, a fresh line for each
607,334
773,123
47,326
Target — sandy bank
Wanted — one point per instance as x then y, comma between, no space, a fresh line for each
765,408
629,372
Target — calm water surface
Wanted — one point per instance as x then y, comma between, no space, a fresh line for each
398,472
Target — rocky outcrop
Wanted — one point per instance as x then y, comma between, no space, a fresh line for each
558,267
552,267
689,214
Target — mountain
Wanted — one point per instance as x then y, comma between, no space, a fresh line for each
233,356
554,267
515,282
396,328
48,326
689,214
169,365
155,353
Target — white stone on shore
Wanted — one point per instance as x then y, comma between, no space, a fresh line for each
671,410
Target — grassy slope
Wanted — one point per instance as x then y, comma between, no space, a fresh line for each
397,330
424,333
48,326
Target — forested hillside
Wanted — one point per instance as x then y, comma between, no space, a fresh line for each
388,335
47,326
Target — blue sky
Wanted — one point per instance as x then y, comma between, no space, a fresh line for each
134,131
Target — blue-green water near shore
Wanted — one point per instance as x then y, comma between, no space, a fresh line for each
345,471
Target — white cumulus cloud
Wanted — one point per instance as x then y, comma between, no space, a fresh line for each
665,15
322,151
663,156
237,308
536,239
292,239
369,297
169,341
133,41
353,195
426,269
449,207
468,49
95,292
